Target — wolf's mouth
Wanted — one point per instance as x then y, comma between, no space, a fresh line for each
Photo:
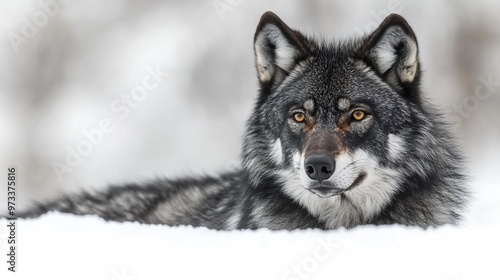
326,191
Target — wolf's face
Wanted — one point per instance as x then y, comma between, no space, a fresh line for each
334,119
336,124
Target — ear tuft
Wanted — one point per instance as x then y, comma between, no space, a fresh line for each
392,49
277,49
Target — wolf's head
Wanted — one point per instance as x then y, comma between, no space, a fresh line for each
339,121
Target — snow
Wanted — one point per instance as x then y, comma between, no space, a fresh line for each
61,246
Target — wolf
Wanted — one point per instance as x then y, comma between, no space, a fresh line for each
340,136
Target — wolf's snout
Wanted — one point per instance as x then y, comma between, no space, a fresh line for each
319,166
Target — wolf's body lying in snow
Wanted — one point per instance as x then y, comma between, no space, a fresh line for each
340,136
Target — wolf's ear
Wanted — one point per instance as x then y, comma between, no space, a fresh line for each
277,48
392,51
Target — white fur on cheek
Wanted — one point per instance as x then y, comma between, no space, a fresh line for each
376,191
277,152
396,146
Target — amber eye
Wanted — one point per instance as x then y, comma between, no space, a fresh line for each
358,115
299,117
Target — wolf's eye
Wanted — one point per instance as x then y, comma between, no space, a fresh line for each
299,117
358,115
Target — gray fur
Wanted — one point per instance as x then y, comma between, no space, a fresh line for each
398,164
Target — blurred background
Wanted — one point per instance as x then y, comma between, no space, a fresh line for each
105,92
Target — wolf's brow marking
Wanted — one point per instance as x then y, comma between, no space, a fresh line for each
309,105
343,104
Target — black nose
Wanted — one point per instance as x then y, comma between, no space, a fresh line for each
319,166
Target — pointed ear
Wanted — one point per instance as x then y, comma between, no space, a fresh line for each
277,48
392,51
